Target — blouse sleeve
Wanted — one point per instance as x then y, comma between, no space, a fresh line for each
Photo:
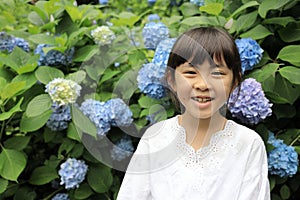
256,184
136,182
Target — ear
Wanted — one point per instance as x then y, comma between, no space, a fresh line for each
170,80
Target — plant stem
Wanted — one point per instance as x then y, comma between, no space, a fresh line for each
295,140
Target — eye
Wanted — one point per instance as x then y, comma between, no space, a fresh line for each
217,73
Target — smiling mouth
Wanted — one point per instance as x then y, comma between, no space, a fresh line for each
202,99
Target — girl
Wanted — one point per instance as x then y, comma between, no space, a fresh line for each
199,154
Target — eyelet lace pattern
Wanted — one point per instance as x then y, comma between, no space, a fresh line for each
207,161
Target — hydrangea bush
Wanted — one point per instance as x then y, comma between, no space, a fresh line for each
78,88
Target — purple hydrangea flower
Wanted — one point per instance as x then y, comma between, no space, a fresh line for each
122,149
249,104
99,113
153,33
283,159
197,2
162,52
53,57
250,53
72,172
60,118
120,114
8,43
61,196
150,80
153,17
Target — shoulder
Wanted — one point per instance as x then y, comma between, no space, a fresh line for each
245,135
160,128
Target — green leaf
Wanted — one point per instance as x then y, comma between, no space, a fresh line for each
212,8
13,110
200,20
29,66
100,178
108,75
83,192
43,175
73,132
290,34
244,7
125,19
46,74
78,76
244,22
286,90
3,82
189,9
86,53
42,39
66,146
3,185
282,21
256,33
266,71
297,149
29,79
291,73
82,122
267,5
17,142
290,54
147,102
285,192
12,89
38,105
13,163
29,124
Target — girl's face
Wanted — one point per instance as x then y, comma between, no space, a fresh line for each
202,89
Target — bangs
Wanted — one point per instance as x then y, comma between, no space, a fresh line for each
195,47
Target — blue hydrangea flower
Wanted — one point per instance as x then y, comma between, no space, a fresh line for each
8,43
153,33
120,114
162,52
103,2
153,17
151,2
61,196
250,53
283,159
60,118
150,80
99,113
249,104
53,57
122,149
72,172
102,35
63,91
197,2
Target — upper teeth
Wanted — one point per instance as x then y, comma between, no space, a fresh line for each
205,99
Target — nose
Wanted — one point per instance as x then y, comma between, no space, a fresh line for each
200,83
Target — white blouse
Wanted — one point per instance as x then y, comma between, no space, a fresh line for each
232,167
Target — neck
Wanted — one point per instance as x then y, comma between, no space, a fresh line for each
199,131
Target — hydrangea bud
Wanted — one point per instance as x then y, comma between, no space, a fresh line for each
102,35
63,91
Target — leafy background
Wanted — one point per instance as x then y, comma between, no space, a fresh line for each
31,153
